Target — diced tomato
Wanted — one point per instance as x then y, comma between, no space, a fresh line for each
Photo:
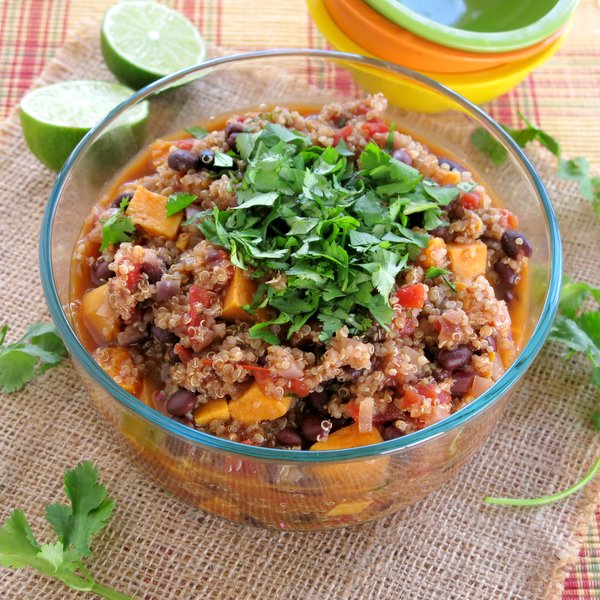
134,276
410,399
298,387
352,409
410,296
470,200
186,144
184,354
344,132
295,386
199,299
370,129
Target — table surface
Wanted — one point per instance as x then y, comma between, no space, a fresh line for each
562,97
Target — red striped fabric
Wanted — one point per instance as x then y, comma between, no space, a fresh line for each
562,97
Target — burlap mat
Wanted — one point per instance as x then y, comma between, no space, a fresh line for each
449,546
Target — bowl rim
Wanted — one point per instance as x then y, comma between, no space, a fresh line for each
474,41
214,443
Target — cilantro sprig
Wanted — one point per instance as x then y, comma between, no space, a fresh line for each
576,169
75,525
579,330
40,349
339,228
117,228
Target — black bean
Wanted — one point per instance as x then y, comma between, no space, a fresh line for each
455,210
131,336
451,163
206,159
318,400
289,437
515,244
391,432
182,160
441,232
173,356
153,270
453,360
440,374
101,273
311,427
180,403
508,296
491,343
462,383
164,336
116,203
231,132
403,156
506,274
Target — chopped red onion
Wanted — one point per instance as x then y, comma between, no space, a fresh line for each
167,288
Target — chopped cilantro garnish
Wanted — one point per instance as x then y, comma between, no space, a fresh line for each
490,146
117,228
197,131
177,202
340,231
222,159
434,272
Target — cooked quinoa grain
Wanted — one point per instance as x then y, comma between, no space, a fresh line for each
244,322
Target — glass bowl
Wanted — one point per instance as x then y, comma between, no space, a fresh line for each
286,489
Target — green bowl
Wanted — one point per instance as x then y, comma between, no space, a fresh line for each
478,25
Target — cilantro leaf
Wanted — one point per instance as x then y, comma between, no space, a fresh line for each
489,146
197,131
38,350
75,525
434,272
222,159
117,228
89,512
531,133
178,202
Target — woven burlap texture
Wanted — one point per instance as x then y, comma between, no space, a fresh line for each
448,546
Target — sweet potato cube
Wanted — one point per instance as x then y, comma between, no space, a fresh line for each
118,364
213,410
467,261
240,292
149,211
100,320
348,508
435,253
348,437
254,406
148,391
351,479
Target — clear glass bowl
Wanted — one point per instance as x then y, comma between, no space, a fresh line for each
284,489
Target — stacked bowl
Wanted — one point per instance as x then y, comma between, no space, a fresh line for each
479,48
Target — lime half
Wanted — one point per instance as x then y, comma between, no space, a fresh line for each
55,118
144,41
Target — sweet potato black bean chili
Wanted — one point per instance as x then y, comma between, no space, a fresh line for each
291,281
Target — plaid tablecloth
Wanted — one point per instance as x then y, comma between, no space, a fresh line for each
563,97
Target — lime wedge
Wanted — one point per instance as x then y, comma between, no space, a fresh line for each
55,118
144,41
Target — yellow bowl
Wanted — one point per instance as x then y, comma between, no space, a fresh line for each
478,87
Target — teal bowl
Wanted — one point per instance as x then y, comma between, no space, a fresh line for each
478,25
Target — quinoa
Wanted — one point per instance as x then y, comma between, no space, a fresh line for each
167,308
